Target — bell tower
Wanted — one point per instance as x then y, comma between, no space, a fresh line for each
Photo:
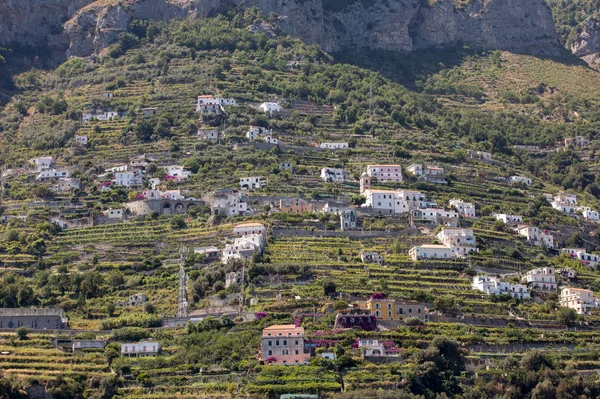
365,182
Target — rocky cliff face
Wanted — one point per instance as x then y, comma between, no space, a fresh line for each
587,42
84,27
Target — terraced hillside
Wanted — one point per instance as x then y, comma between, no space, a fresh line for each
65,249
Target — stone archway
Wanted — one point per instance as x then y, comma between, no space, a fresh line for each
166,209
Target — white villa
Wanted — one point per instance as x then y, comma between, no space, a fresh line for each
432,251
208,134
243,248
52,174
142,349
256,131
42,163
492,285
465,209
463,240
270,107
333,175
543,278
583,301
178,171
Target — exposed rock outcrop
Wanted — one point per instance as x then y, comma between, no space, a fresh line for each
84,27
587,42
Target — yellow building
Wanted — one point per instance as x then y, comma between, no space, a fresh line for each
391,309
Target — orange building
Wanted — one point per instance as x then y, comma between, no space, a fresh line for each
295,205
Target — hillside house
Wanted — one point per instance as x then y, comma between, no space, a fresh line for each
81,140
52,174
414,199
509,219
284,344
432,251
348,220
543,278
434,174
385,173
566,273
371,257
270,107
463,240
272,140
250,183
113,213
81,344
465,209
536,236
140,161
209,254
42,163
142,349
333,175
334,146
393,309
98,114
68,184
581,300
386,201
295,205
286,166
229,202
213,105
256,131
577,141
492,285
434,215
129,179
590,215
486,156
243,248
416,169
33,318
520,180
177,172
244,229
208,134
233,278
586,258
374,348
137,299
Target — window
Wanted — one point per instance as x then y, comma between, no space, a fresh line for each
296,343
284,342
277,343
296,353
270,353
270,343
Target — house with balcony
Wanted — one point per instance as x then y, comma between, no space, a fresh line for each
371,257
520,180
244,229
385,173
254,132
581,300
584,257
270,107
543,279
141,349
508,219
42,163
243,248
394,309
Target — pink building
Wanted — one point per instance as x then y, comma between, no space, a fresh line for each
284,344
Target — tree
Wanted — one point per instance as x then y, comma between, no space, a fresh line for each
178,222
22,333
110,309
329,288
544,390
358,200
566,316
144,131
575,241
340,305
